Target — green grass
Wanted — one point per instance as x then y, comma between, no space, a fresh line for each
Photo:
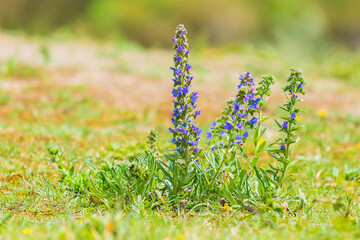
30,194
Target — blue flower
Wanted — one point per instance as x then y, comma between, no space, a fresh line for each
228,126
251,81
176,113
245,135
175,80
236,106
194,97
192,143
240,125
242,115
238,139
183,107
222,133
282,147
209,135
293,115
254,104
300,86
196,129
213,125
212,149
254,120
285,124
177,72
180,48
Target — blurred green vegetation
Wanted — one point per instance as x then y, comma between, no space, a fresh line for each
151,22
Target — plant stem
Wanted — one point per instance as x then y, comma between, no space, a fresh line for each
254,163
222,160
287,152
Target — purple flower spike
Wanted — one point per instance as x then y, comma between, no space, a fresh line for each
186,134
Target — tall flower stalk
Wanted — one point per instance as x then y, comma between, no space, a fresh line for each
289,126
186,134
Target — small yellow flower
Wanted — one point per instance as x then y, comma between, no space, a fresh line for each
226,207
322,113
261,140
110,226
181,237
298,118
27,231
358,146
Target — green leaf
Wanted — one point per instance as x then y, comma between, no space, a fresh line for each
277,123
261,147
265,118
244,154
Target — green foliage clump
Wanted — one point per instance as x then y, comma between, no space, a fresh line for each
221,173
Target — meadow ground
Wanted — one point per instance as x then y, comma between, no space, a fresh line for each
99,100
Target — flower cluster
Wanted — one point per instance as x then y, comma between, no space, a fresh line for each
186,134
237,118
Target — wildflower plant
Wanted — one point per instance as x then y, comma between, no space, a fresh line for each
186,133
289,125
152,142
225,168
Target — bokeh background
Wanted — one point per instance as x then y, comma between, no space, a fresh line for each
117,53
151,22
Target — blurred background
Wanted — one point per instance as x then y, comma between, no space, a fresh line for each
213,22
95,74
